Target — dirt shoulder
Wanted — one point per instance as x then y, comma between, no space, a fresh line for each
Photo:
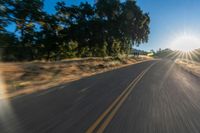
29,77
191,66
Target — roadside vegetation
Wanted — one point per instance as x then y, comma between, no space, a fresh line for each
107,28
21,78
45,50
189,65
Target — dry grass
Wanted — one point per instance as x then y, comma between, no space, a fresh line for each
191,66
28,77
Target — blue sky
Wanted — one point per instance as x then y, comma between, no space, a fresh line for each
169,19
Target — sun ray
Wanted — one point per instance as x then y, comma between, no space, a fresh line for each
185,42
195,54
176,55
171,54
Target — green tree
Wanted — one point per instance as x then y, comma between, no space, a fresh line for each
26,14
47,38
5,14
108,28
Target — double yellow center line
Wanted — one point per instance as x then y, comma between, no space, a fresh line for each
104,119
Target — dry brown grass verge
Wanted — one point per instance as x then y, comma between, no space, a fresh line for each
191,66
29,77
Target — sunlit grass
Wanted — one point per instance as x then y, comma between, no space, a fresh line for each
29,77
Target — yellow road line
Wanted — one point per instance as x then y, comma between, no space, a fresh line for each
116,105
112,114
91,129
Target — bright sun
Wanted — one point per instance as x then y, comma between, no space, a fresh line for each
185,43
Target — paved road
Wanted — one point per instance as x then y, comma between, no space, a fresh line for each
150,97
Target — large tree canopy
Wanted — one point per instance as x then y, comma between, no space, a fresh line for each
107,28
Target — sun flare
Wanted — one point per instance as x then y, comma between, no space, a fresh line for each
185,43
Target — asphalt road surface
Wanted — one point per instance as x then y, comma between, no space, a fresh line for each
150,97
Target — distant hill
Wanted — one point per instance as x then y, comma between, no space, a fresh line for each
170,54
166,53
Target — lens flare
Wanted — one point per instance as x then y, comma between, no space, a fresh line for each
185,43
7,114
